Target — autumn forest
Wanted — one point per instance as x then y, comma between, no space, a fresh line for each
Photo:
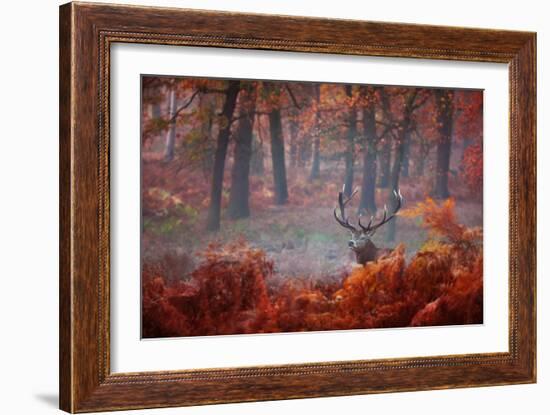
284,206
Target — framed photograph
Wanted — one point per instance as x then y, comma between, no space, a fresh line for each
260,207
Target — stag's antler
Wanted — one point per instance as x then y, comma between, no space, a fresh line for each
344,221
371,229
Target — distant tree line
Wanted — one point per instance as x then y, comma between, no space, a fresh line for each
378,132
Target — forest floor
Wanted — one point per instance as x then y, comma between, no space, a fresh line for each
301,237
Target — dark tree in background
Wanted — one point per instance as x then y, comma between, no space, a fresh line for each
257,162
278,157
444,100
207,108
403,136
316,162
213,220
350,144
370,142
304,147
278,153
384,155
155,110
293,128
171,134
194,129
423,154
239,195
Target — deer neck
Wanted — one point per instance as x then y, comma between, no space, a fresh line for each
367,254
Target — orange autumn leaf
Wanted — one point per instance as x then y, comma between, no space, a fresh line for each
231,291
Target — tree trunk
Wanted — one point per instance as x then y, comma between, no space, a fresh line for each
420,167
207,108
171,134
384,156
385,164
350,144
257,167
394,177
278,157
406,157
404,138
368,184
258,153
293,132
304,151
444,99
239,194
398,161
154,111
316,162
423,155
213,220
421,162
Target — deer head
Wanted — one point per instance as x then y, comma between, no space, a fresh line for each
360,242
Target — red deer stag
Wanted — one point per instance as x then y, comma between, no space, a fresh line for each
360,242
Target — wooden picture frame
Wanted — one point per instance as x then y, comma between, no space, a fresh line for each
86,33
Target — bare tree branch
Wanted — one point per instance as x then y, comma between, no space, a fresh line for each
184,106
289,90
420,103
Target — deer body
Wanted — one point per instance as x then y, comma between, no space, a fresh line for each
360,243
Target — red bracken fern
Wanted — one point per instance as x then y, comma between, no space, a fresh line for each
230,291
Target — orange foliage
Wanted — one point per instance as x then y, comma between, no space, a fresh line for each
160,316
441,221
230,292
460,303
227,294
472,164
